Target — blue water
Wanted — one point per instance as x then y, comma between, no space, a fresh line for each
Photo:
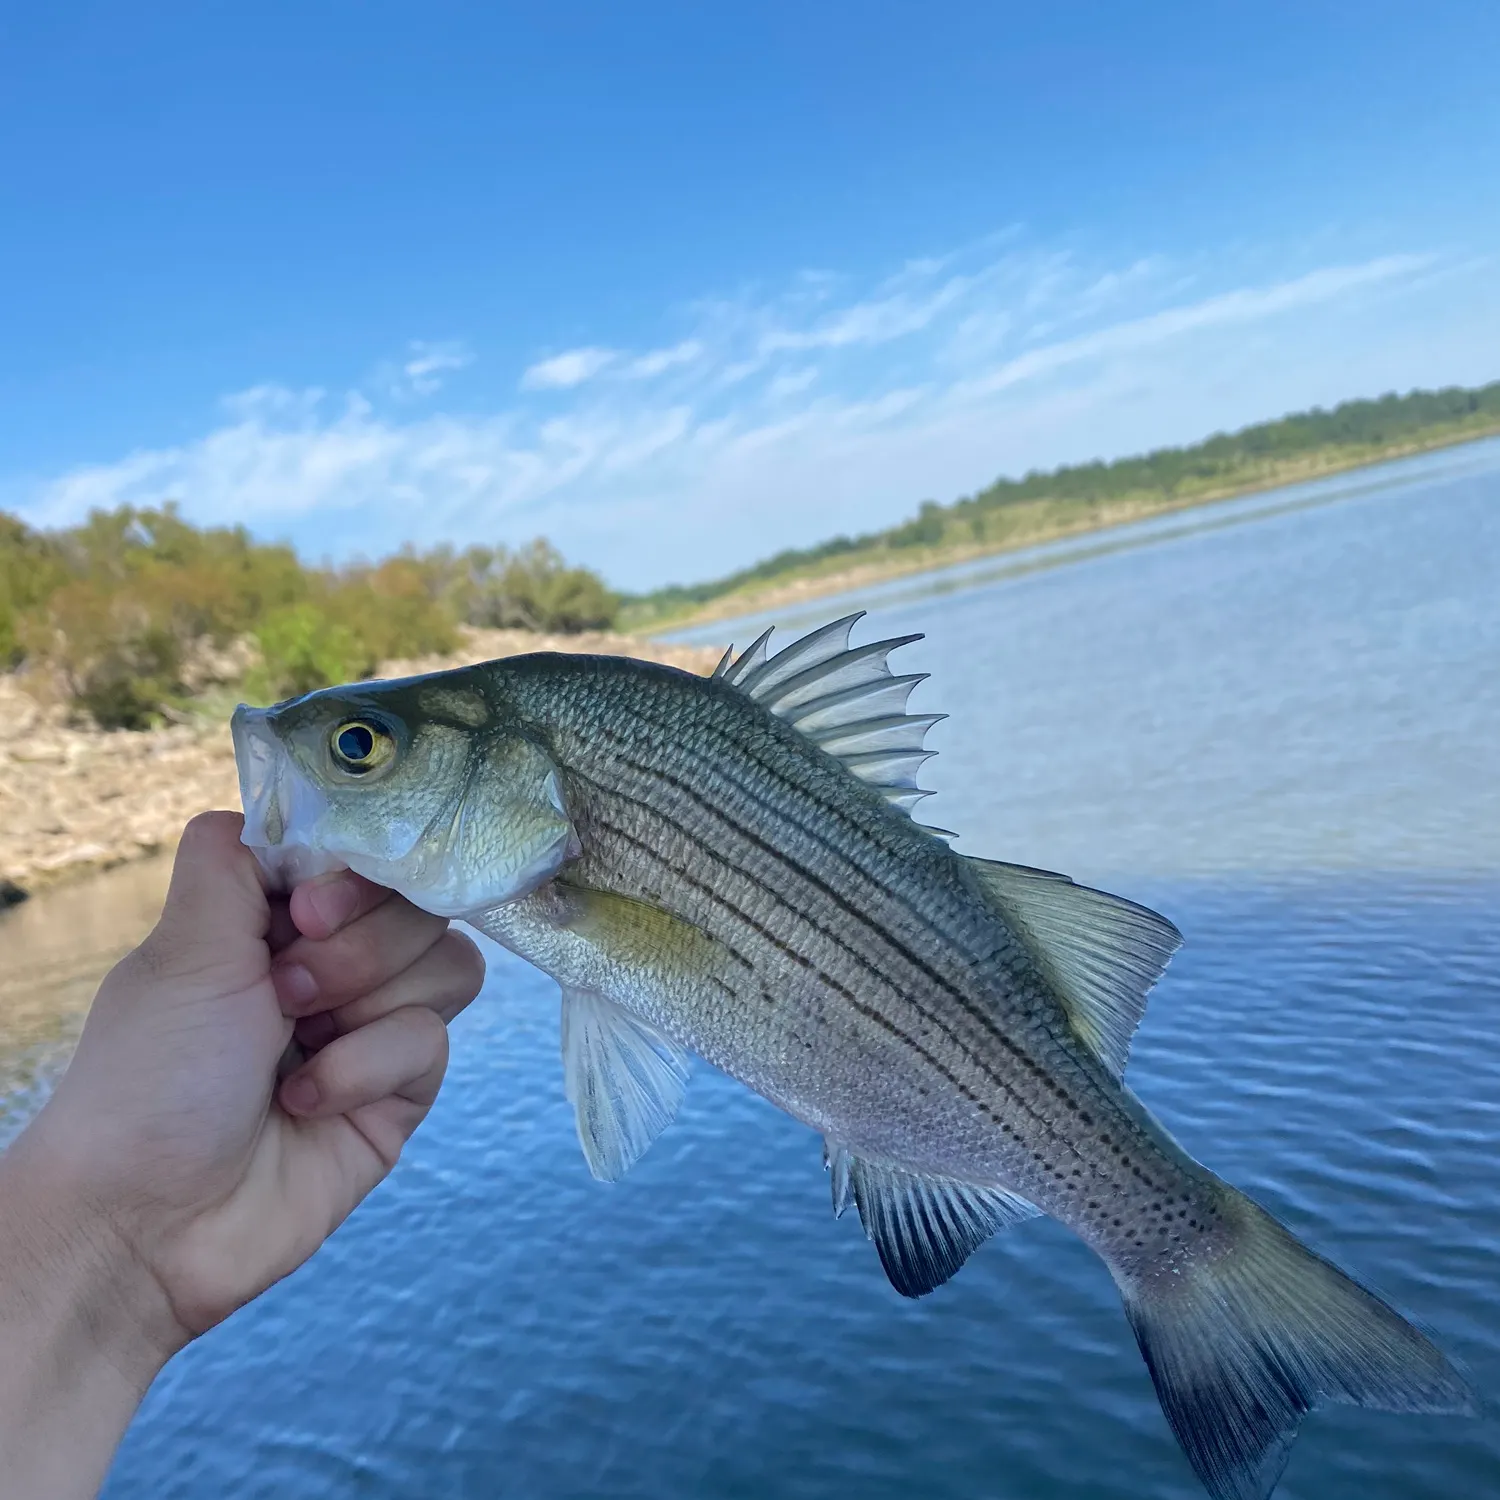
1284,733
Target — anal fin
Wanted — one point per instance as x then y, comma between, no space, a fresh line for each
924,1228
624,1079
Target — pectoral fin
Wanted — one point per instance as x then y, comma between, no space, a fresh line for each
924,1228
617,961
624,1079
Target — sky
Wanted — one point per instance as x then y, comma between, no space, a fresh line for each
680,285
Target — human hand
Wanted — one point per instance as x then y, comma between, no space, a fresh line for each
171,1170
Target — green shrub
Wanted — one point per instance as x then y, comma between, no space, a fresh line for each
395,609
303,647
114,651
532,589
30,569
118,608
925,529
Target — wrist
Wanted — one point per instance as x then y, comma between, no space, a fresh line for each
76,1360
74,1288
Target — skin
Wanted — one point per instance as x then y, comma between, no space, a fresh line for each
171,1178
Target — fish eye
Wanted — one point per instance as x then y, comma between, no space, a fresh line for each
359,746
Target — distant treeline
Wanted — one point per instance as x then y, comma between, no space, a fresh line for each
1063,499
134,611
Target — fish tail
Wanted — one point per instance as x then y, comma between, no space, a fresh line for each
1248,1334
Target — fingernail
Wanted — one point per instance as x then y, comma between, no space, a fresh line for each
300,1095
333,900
296,988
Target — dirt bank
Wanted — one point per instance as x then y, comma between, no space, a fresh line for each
74,800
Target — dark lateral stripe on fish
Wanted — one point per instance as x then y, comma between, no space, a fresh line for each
1005,1090
858,1005
1119,1160
987,1024
1117,1164
614,747
829,934
796,791
717,939
882,889
977,1013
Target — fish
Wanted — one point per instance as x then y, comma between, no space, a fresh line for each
729,866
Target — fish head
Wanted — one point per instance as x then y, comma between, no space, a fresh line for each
420,785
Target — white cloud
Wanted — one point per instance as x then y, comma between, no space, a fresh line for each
878,321
575,367
1244,305
429,363
659,361
822,408
563,371
791,383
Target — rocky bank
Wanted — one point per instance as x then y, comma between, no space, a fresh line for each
75,799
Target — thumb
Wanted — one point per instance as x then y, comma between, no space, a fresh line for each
216,915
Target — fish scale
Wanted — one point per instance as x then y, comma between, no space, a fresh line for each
728,867
973,1050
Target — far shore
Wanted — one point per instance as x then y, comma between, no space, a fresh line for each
1034,523
75,800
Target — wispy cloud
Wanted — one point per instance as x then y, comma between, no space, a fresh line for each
1244,305
824,406
659,361
563,371
575,367
428,365
900,311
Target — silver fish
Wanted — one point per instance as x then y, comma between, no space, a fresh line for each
727,866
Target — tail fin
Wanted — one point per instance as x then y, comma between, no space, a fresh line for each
1245,1340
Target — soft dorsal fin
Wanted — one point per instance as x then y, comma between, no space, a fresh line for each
1102,953
924,1228
846,700
624,1079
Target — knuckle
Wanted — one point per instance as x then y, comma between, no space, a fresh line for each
343,1071
344,964
210,828
353,967
426,1026
429,1037
146,964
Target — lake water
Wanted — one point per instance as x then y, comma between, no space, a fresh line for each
1279,723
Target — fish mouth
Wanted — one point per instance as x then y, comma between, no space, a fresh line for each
282,808
257,757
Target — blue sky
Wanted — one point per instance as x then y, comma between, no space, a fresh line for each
680,285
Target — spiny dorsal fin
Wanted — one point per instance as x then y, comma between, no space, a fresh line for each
845,700
924,1228
1102,953
624,1079
734,669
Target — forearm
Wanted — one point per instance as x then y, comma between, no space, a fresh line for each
74,1363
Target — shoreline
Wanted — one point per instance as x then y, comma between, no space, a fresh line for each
75,801
1035,527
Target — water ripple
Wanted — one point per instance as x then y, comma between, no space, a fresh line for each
1282,735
